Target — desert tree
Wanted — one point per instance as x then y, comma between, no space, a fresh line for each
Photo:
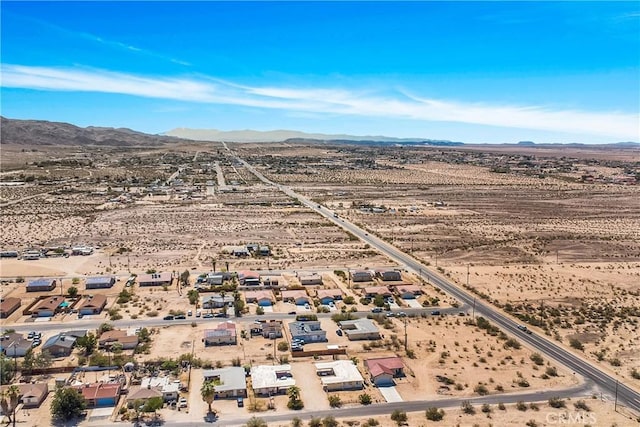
67,403
9,402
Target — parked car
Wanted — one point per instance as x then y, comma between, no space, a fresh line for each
435,313
198,313
36,343
292,312
376,310
240,401
182,403
169,317
189,313
221,315
207,316
339,332
401,314
180,317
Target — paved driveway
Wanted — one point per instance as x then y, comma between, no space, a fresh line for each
413,303
390,394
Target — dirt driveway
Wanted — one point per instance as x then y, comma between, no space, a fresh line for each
311,392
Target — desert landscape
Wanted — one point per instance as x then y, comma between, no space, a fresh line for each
549,236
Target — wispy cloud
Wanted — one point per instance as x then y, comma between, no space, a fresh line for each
330,101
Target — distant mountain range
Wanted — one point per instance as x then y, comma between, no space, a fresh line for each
41,132
292,135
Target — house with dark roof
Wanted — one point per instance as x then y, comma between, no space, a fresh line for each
388,275
8,305
155,279
100,394
48,307
383,370
93,305
307,331
361,276
217,301
61,345
41,285
101,282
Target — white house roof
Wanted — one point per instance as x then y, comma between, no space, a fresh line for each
164,384
265,376
231,378
358,326
344,371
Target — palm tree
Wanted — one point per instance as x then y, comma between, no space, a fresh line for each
213,264
12,393
224,304
207,391
293,392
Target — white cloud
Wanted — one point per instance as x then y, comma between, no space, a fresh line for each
331,101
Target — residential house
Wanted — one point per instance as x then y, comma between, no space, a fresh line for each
31,395
102,282
248,278
229,381
155,279
307,331
14,345
271,329
41,285
47,307
224,333
297,297
217,278
360,329
339,375
325,296
268,380
361,276
61,345
100,394
310,279
217,301
388,275
373,291
108,338
408,291
262,298
240,251
150,387
383,370
93,304
8,305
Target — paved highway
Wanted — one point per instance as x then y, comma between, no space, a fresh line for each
607,383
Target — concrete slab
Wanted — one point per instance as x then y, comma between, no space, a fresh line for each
390,394
412,303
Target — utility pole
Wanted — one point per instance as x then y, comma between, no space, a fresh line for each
406,344
190,364
467,275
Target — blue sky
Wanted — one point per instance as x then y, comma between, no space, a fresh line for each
464,71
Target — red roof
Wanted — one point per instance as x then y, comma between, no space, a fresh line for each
384,365
99,390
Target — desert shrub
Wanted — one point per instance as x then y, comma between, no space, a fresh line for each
486,408
581,405
335,401
467,407
434,414
520,406
364,399
537,359
556,402
481,389
575,343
